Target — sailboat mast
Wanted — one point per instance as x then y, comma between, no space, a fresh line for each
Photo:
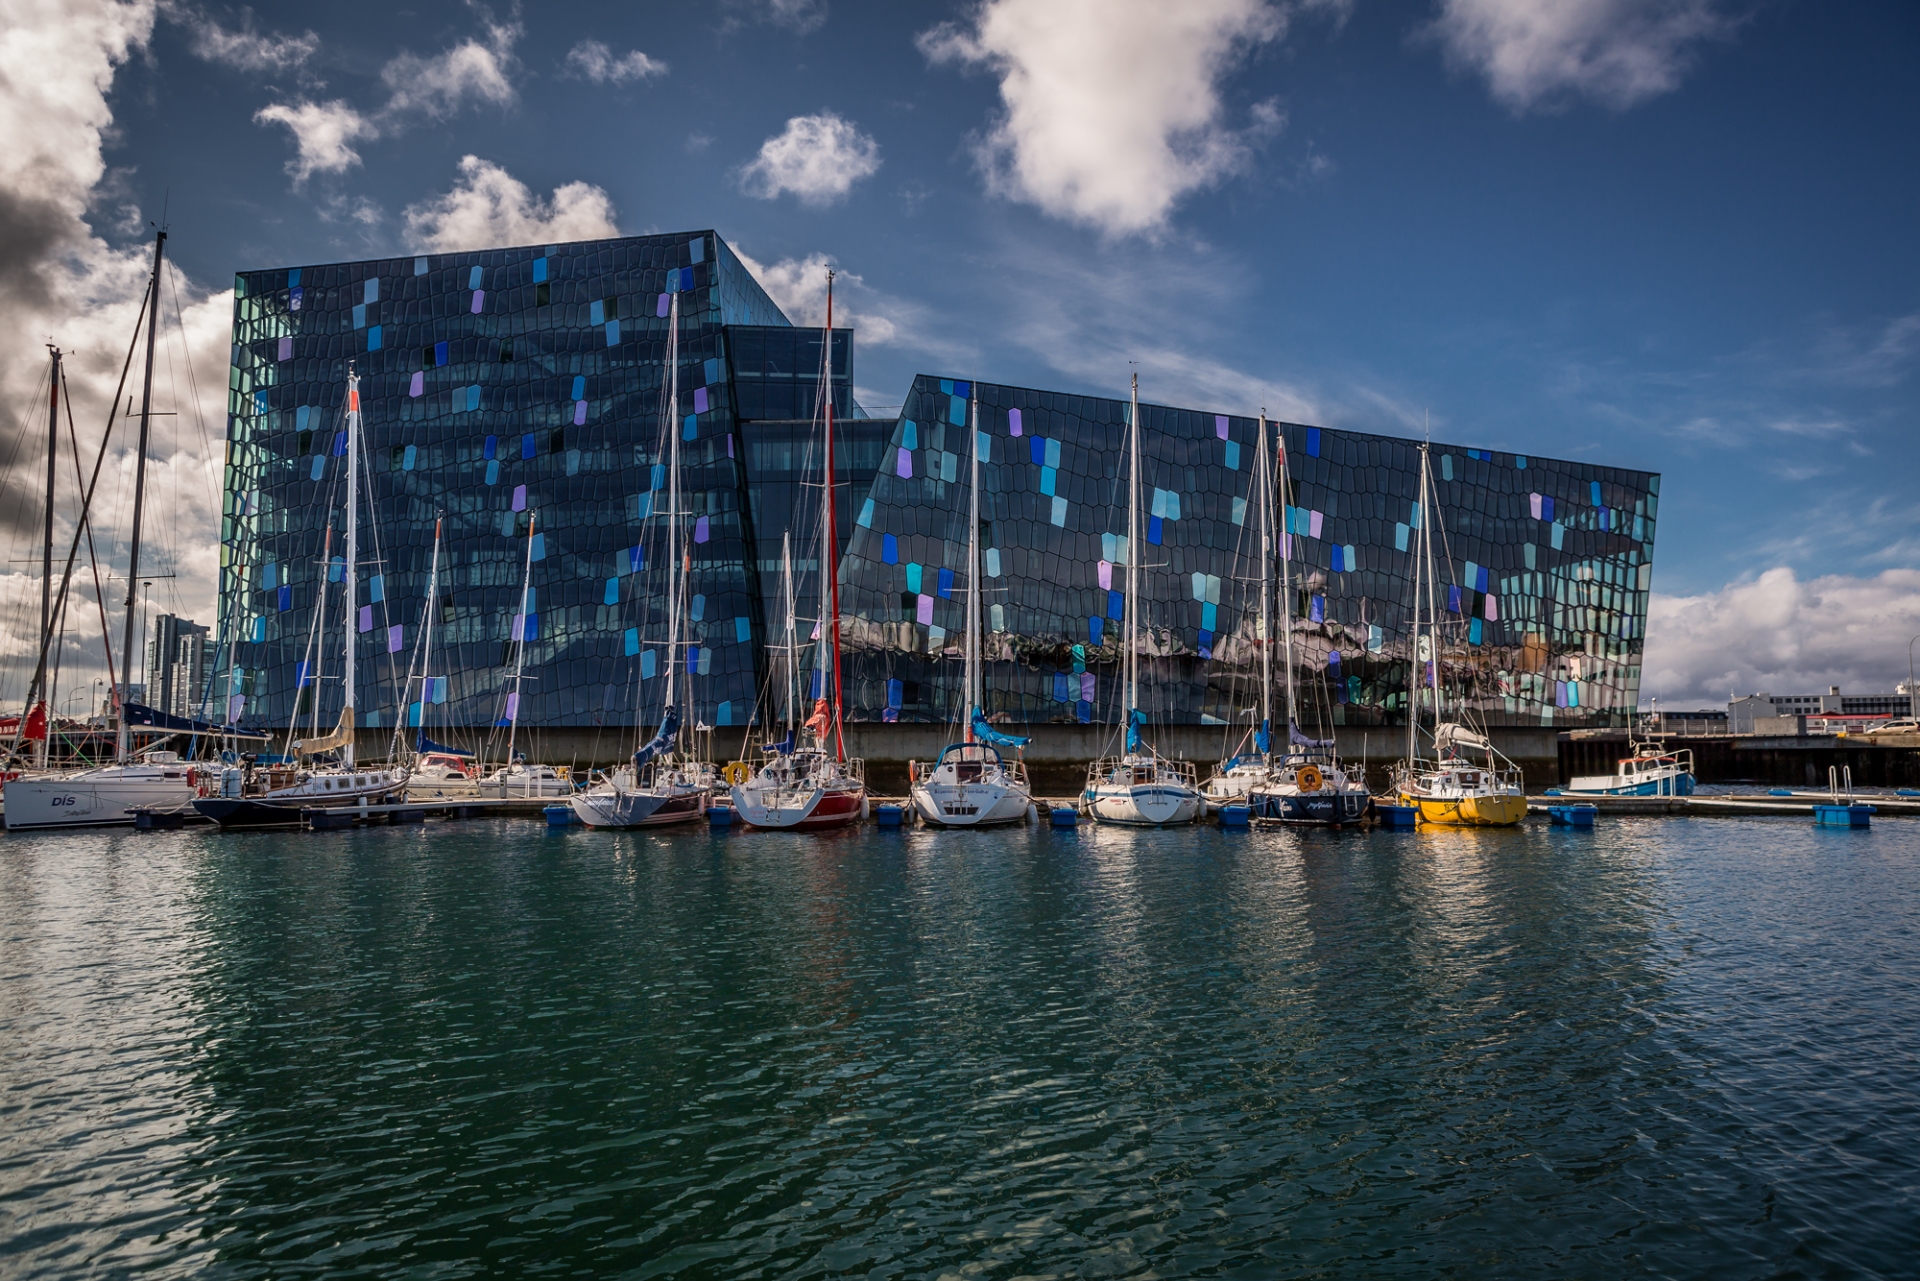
320,629
675,584
348,720
1133,552
122,735
46,559
793,644
830,556
426,635
520,650
973,577
1286,590
1263,477
1428,505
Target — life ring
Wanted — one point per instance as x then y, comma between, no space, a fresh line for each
1309,779
736,773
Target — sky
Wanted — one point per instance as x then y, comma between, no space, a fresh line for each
1672,235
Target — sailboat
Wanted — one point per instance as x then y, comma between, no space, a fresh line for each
1306,783
659,786
1240,773
1451,789
438,772
255,797
108,795
971,785
1139,787
516,779
811,784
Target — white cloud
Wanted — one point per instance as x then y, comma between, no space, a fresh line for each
798,16
1540,53
593,60
58,280
1112,109
247,49
441,85
323,133
489,207
818,158
798,286
1780,635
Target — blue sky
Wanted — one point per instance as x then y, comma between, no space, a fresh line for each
1668,234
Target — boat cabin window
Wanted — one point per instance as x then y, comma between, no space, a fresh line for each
966,771
1469,780
1142,774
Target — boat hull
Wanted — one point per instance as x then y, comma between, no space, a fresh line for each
1605,785
1145,804
639,808
1326,809
815,809
1469,811
970,804
49,803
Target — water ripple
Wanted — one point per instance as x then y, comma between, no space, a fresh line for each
1668,1047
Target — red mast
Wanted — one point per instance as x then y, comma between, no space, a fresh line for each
832,553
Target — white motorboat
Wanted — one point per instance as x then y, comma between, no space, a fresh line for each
1141,787
521,781
1651,770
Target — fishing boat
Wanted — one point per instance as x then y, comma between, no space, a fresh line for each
136,779
809,783
660,785
1139,787
971,784
1306,783
1650,769
1451,788
321,773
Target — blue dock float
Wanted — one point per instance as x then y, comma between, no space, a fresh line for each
1402,817
889,815
560,816
1572,815
1064,816
1842,815
722,816
1236,815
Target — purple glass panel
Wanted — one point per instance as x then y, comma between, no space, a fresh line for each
700,530
419,384
394,638
925,613
519,498
579,413
904,465
479,300
366,618
1013,422
699,400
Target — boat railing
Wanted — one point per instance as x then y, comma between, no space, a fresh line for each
1134,771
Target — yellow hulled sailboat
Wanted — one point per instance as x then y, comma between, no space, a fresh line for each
1466,782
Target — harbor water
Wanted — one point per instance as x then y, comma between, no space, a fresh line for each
1667,1046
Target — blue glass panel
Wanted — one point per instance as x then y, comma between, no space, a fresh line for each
889,550
526,445
540,271
579,387
440,353
946,583
1313,442
491,448
1116,605
611,596
1153,530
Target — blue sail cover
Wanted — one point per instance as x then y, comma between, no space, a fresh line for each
992,737
149,718
423,745
1298,739
1135,720
663,741
1263,741
784,747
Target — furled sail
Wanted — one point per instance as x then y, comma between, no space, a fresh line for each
991,736
1449,736
341,736
661,742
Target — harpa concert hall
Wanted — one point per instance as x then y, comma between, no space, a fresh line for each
517,398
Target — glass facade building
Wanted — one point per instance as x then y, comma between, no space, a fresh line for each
516,396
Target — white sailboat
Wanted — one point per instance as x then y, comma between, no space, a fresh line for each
438,773
1306,782
812,784
1237,776
660,785
971,784
518,779
106,796
255,797
1139,787
1451,788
